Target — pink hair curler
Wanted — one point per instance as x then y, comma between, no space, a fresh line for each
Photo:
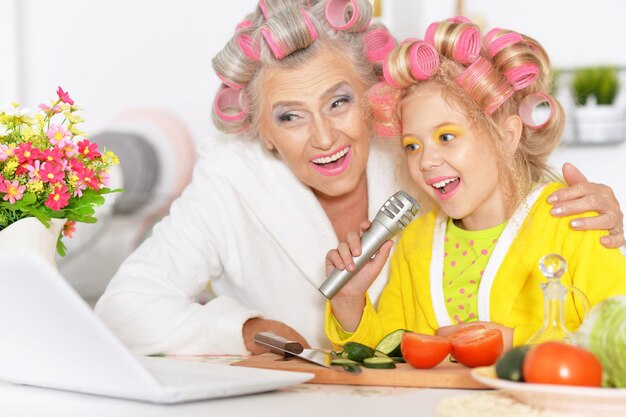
309,24
528,106
378,43
522,76
505,93
228,82
336,12
459,19
277,50
423,60
264,10
468,46
244,24
383,100
387,76
430,32
498,44
472,78
246,43
228,99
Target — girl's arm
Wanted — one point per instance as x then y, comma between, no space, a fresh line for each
582,196
348,304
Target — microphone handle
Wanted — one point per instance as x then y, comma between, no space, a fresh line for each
371,241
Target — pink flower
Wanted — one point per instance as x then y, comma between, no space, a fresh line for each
5,152
105,179
69,229
26,153
87,176
74,164
58,198
47,109
88,149
57,133
33,170
64,96
52,155
51,172
68,147
13,190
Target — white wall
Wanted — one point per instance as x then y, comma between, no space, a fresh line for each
116,54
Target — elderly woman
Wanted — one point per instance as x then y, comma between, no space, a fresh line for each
301,168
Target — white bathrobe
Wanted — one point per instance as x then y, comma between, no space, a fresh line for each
248,226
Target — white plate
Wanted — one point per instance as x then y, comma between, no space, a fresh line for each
594,401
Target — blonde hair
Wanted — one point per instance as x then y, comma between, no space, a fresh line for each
294,31
490,87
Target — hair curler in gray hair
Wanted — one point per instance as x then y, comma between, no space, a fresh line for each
396,214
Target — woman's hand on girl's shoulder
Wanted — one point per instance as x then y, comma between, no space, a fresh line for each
581,196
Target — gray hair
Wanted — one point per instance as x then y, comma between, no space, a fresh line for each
290,33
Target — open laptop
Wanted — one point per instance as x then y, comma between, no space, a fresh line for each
49,337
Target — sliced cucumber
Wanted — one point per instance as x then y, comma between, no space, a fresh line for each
390,344
398,359
379,363
357,352
342,361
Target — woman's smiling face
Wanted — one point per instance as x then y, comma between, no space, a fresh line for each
451,160
314,117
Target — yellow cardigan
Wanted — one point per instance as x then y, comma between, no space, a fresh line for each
515,299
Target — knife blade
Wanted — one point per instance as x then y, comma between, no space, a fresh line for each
281,346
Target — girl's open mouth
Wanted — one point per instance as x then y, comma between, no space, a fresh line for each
446,188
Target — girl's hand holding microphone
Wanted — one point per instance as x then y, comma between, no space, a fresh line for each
349,302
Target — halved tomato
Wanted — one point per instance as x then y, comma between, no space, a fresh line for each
424,351
560,363
476,345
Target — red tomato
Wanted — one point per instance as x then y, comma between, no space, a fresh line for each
476,345
424,351
560,363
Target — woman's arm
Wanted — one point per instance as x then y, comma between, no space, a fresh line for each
582,196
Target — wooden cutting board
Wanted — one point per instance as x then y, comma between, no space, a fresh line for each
445,375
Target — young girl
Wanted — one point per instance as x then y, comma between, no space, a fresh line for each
465,104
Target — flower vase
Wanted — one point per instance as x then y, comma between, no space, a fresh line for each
29,235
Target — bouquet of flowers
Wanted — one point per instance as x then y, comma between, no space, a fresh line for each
48,168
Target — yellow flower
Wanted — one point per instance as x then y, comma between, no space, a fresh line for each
35,187
10,166
76,131
108,157
73,118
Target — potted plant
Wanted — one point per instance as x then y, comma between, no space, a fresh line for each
598,120
51,176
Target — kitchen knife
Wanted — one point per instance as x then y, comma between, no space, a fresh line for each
281,346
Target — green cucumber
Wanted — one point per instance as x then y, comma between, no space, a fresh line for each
510,365
357,352
390,344
341,361
379,363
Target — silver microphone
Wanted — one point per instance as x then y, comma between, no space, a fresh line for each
396,214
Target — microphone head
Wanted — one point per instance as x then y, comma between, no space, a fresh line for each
397,212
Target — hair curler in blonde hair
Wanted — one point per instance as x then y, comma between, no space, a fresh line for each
456,38
347,15
484,85
411,61
513,57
